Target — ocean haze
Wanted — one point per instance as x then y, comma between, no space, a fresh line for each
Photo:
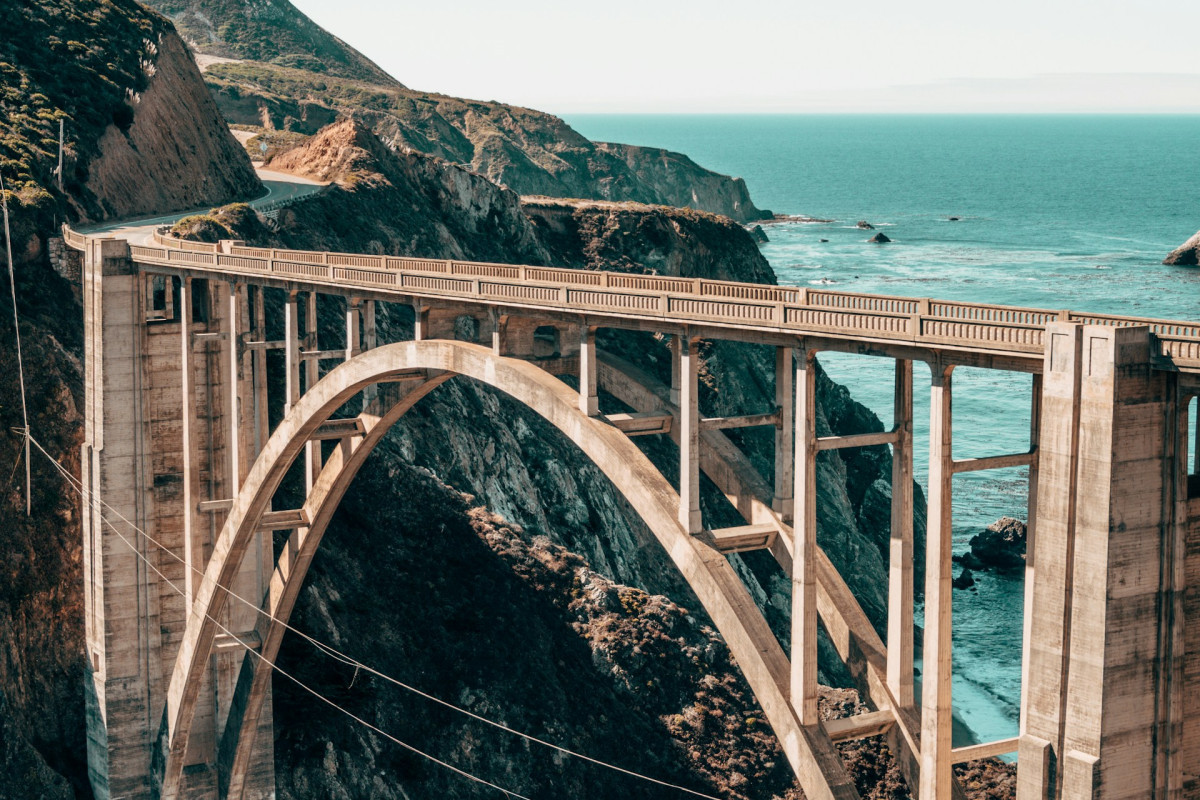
782,56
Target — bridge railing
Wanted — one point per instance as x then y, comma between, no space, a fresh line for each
935,322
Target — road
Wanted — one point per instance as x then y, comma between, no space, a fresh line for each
280,186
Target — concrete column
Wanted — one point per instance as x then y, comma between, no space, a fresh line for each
369,342
688,361
900,569
936,702
589,399
420,322
291,351
676,378
262,426
1048,565
804,547
312,374
1120,652
353,338
192,525
784,434
240,388
121,619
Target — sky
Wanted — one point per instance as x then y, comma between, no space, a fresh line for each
786,56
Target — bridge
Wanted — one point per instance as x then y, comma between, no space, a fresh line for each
184,456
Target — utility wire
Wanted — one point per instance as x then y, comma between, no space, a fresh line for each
12,283
96,508
348,660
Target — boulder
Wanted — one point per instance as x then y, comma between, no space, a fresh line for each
879,238
758,234
1001,546
824,240
866,226
954,219
1186,255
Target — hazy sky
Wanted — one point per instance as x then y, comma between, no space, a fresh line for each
786,55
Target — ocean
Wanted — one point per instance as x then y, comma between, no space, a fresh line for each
1053,211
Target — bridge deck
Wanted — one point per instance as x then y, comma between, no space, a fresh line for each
1006,337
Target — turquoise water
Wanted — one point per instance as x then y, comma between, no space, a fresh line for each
1055,212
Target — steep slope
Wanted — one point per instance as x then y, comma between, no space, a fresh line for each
267,30
142,135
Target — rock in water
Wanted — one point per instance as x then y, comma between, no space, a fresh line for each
879,238
1001,546
823,240
955,219
1186,255
758,234
965,579
866,226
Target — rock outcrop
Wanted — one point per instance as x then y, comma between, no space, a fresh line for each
1000,547
174,153
864,225
1186,255
879,238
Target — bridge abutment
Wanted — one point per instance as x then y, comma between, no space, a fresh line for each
170,432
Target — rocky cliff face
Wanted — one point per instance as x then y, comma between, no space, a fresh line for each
529,151
174,153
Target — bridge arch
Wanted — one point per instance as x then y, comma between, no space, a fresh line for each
421,366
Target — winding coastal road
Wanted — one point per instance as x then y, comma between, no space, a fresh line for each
280,187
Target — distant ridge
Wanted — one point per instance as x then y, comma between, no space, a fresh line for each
275,32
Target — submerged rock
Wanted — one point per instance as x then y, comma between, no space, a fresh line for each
1186,255
879,238
866,226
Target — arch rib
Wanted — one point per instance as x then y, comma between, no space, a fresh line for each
808,748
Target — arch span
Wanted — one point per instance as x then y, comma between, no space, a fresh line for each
428,363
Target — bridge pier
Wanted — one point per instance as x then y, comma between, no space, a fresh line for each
171,418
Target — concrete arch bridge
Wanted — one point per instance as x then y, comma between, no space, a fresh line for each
180,444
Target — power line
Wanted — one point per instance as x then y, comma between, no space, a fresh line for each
12,283
348,660
96,507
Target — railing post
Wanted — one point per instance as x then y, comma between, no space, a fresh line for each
589,400
900,578
784,434
804,544
688,359
936,700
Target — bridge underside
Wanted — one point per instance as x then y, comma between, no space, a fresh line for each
182,464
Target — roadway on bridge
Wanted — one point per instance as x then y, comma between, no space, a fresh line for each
281,186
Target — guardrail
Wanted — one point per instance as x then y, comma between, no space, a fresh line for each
1006,329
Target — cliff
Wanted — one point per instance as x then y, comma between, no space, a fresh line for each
141,133
529,151
174,153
